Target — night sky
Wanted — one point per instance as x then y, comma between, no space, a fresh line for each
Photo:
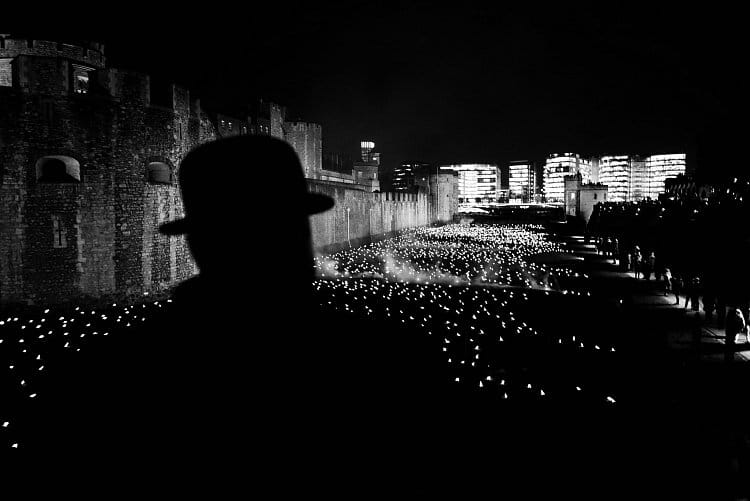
467,83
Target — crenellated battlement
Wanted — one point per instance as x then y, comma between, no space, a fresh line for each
93,55
57,76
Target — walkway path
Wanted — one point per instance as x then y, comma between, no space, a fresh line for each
689,409
648,295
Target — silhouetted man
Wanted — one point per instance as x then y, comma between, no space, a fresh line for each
246,223
227,367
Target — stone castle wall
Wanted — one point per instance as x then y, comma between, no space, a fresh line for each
360,216
96,237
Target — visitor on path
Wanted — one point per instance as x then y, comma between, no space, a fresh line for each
735,326
695,292
687,289
667,280
649,267
616,252
677,285
637,262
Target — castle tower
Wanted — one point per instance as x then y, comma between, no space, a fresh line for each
87,173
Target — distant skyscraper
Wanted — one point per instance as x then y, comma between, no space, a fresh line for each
522,180
477,183
559,165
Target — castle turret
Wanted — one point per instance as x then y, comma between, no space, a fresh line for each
88,162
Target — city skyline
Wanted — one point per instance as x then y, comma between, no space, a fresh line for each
476,84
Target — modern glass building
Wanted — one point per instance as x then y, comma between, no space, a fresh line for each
477,183
629,178
615,172
521,181
660,167
559,165
638,187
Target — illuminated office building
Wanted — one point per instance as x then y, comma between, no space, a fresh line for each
629,178
557,167
477,183
638,187
522,181
633,178
661,167
615,172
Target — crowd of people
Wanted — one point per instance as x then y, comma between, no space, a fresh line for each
691,247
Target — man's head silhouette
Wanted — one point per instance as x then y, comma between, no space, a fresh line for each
246,211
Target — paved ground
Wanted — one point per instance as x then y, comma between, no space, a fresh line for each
690,410
648,295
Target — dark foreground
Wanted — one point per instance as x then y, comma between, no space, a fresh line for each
394,400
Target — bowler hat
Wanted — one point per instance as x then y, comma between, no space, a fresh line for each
230,178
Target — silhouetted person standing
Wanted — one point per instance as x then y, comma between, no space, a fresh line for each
637,262
735,325
228,366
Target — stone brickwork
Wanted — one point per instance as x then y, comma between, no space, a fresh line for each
92,56
278,115
6,72
97,237
360,216
307,141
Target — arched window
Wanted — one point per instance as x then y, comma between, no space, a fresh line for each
58,169
159,173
